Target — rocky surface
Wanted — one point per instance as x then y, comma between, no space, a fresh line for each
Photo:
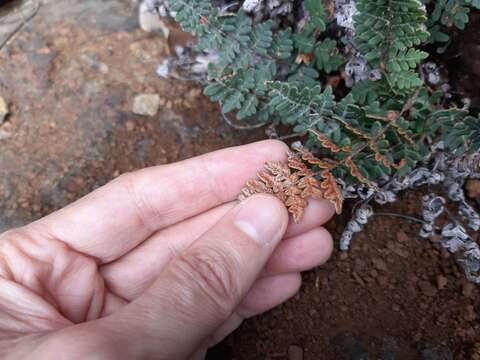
71,77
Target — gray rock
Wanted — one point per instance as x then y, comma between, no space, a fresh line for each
348,347
146,104
432,351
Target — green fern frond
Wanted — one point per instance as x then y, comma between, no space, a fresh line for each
386,33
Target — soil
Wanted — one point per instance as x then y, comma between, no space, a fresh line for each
70,78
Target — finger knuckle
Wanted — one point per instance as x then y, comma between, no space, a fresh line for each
131,184
212,273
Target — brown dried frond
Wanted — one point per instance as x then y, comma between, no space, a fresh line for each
294,182
331,190
357,174
370,141
403,133
328,144
391,119
311,159
352,128
295,162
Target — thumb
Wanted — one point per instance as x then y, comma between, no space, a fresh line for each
201,287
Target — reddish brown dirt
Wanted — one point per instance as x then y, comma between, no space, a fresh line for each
70,78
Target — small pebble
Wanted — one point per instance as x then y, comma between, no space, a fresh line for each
193,94
380,264
441,282
427,288
146,104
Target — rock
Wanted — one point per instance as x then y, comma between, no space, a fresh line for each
380,264
295,353
193,94
441,282
429,351
427,288
348,347
391,349
3,110
473,188
146,104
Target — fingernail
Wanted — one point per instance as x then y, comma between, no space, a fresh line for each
262,218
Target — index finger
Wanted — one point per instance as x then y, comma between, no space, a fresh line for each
115,218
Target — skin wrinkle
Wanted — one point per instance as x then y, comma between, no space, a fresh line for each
4,268
63,277
29,319
46,279
130,183
92,310
21,277
217,283
187,187
213,182
21,320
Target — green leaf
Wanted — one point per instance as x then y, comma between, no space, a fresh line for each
282,45
405,60
213,89
327,57
404,80
303,43
365,92
249,107
317,13
232,101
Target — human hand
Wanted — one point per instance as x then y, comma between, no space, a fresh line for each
160,263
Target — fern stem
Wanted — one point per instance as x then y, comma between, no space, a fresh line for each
241,127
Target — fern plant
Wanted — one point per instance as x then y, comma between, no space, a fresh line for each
372,140
376,131
387,33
